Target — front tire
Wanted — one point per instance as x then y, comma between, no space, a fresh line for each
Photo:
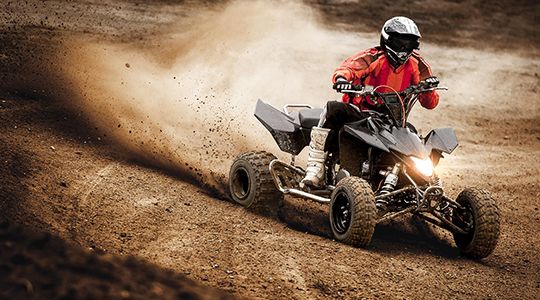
481,215
250,182
353,214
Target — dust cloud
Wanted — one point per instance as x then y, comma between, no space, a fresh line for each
186,102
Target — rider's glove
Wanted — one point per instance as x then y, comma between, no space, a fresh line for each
431,82
342,84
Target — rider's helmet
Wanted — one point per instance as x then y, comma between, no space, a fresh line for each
399,37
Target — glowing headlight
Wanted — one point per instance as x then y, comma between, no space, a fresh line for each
424,166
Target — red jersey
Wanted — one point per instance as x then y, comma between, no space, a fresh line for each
371,67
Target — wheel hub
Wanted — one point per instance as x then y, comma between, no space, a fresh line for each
341,213
240,184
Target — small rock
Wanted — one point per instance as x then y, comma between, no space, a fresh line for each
128,65
52,148
63,184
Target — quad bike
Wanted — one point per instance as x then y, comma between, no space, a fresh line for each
380,169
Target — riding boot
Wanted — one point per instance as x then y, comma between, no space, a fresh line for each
315,170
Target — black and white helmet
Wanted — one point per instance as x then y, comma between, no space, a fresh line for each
399,37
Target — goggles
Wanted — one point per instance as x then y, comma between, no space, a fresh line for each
400,44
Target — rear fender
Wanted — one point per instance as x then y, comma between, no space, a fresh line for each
284,129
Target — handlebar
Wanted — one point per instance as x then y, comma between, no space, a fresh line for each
407,98
366,90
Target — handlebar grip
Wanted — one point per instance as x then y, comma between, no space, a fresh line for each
357,87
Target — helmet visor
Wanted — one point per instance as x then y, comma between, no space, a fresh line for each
403,44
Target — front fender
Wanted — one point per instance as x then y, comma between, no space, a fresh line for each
442,139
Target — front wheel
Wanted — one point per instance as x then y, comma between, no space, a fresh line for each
353,214
250,182
480,217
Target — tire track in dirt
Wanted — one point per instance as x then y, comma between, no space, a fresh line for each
181,227
81,194
294,273
87,187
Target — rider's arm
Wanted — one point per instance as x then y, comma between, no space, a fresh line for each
356,66
429,100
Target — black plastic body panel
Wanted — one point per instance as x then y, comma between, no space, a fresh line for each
407,143
363,134
398,139
285,129
442,139
292,137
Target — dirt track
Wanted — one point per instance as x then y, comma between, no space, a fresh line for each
66,172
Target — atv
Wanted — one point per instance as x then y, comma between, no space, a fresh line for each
381,169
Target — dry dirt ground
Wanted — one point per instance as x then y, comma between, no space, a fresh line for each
65,173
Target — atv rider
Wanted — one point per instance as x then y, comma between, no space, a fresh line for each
393,66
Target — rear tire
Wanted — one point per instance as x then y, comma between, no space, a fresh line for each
250,182
353,214
482,213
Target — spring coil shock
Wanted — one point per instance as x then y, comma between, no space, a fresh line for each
389,185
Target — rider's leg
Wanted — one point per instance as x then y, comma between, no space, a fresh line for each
315,170
333,117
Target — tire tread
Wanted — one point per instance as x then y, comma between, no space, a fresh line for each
487,223
264,188
363,225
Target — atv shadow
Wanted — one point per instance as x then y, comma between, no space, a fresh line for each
306,216
407,234
413,235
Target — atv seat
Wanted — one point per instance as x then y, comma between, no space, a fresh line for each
309,117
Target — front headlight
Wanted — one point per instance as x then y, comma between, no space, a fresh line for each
423,166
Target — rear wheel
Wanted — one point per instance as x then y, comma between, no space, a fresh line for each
250,182
353,214
481,217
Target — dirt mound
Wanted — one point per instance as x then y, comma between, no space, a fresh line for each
42,266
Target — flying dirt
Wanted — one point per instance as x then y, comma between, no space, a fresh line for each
185,101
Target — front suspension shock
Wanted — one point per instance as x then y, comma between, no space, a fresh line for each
389,185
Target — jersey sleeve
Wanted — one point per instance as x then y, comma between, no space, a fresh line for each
428,100
356,66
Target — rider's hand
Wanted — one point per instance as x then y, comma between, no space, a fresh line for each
431,82
342,84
